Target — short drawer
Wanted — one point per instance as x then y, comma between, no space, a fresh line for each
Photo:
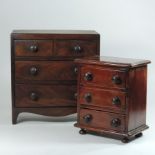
102,120
77,48
33,47
45,70
103,77
107,99
44,95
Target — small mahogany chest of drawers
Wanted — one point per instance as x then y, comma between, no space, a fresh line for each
44,76
112,96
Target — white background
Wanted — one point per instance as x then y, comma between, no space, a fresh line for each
127,29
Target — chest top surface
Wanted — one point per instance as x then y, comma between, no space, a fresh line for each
55,31
113,61
55,34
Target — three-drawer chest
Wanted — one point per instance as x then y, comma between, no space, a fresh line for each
44,75
112,96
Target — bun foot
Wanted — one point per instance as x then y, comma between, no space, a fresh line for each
127,139
138,135
82,132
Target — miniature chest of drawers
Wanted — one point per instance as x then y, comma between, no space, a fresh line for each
44,76
112,96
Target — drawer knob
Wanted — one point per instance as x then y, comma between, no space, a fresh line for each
33,48
88,97
88,76
34,96
77,49
75,95
33,71
116,101
116,122
116,79
87,118
75,70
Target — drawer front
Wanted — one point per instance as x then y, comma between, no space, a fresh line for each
76,48
102,120
44,95
103,77
33,47
45,70
107,99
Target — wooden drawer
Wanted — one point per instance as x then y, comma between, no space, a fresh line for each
33,47
103,120
77,48
103,77
44,95
107,99
45,70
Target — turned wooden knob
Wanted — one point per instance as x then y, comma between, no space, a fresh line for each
88,76
34,96
116,79
33,71
88,97
115,122
116,101
77,49
33,48
75,95
87,118
75,70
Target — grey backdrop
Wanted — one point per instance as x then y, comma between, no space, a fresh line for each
127,29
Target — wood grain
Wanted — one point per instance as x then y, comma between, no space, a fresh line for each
68,48
102,77
102,119
103,98
44,48
47,95
46,70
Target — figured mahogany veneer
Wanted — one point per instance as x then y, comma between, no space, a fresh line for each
112,96
44,75
78,48
32,95
100,120
33,47
99,80
111,99
45,70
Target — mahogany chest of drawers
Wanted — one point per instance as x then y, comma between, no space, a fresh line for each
112,96
44,76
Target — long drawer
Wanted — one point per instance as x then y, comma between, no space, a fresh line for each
45,70
103,120
32,95
109,78
114,100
